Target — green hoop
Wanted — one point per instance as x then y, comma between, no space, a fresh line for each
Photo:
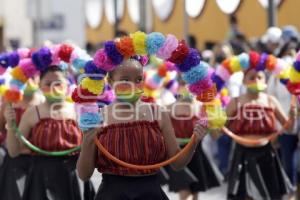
39,150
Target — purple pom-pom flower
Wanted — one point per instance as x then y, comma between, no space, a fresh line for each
192,60
13,59
4,60
170,84
284,81
93,72
113,53
218,81
262,62
2,81
297,66
42,58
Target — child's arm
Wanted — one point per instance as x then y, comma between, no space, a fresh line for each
2,117
231,108
172,145
86,161
14,145
281,116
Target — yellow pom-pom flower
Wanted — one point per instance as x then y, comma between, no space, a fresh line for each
216,117
139,42
235,65
18,74
3,89
224,92
150,93
285,74
69,99
212,104
94,86
294,75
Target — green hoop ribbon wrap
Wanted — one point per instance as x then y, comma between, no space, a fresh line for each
39,150
183,140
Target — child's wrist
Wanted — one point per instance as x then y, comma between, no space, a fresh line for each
9,127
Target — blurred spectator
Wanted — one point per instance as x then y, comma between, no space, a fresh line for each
236,37
290,33
234,29
288,141
207,56
220,53
192,41
121,33
270,41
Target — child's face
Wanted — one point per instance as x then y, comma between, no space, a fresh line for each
129,71
127,81
254,76
54,86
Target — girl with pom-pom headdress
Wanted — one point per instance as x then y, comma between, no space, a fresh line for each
128,122
252,120
49,131
199,175
18,101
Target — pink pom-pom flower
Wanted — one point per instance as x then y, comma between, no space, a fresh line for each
28,68
298,56
170,66
168,47
74,56
279,66
223,73
86,107
102,61
23,53
2,70
201,86
55,54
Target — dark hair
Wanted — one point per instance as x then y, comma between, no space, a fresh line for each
133,58
51,68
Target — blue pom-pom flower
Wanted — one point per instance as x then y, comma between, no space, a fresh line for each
244,60
79,63
17,84
63,65
90,120
157,79
196,74
154,42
